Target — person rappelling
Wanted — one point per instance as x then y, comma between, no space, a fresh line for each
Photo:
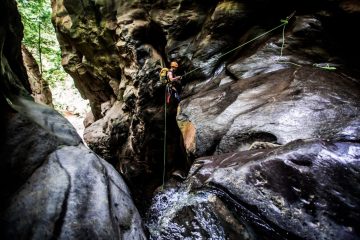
173,82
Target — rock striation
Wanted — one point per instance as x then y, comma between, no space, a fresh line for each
52,186
293,93
304,190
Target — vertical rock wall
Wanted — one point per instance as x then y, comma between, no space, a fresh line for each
114,50
52,186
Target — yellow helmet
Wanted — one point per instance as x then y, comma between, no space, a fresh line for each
174,64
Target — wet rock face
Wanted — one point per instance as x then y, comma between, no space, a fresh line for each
278,107
113,50
297,82
304,190
52,185
270,94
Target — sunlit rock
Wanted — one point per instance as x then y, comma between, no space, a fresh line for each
39,87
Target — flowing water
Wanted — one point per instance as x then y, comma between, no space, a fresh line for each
179,214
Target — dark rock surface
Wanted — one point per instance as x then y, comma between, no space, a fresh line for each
52,186
296,86
265,91
279,107
304,190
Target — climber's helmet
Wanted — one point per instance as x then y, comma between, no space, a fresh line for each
174,64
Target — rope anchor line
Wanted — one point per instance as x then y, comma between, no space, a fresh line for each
165,129
284,22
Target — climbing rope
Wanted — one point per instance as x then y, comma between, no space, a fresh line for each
164,164
326,66
165,129
284,22
283,44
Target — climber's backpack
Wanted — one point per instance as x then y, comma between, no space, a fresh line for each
163,75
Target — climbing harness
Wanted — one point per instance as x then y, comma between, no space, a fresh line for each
171,91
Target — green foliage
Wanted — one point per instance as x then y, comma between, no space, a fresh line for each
40,38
